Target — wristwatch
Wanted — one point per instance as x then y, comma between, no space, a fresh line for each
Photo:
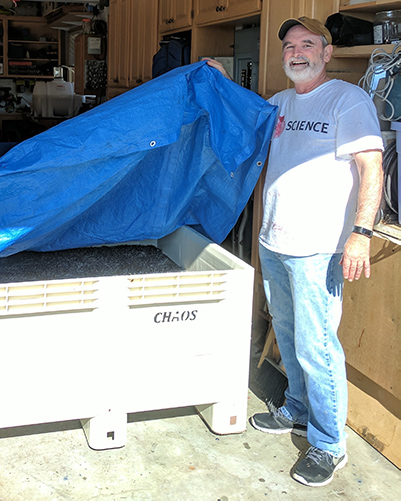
362,231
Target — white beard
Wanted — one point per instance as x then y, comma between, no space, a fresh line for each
303,75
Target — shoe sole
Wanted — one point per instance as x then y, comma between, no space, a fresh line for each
271,431
302,480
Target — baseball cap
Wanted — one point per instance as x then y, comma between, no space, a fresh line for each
313,25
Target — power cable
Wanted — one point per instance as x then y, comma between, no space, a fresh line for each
382,71
390,169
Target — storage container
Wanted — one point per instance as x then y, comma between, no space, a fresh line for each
98,348
387,27
55,99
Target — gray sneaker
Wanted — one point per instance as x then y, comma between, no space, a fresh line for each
318,467
276,423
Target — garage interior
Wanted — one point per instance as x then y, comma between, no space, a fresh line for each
60,60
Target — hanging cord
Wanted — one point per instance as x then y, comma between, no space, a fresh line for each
390,184
382,66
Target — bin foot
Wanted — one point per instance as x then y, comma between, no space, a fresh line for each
224,418
106,431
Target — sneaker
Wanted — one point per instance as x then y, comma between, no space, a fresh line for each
276,423
318,467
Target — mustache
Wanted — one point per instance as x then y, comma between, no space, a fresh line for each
297,59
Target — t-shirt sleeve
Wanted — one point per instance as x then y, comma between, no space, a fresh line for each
358,127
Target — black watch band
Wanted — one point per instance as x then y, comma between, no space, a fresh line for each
362,231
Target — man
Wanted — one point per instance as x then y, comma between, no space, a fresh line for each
322,191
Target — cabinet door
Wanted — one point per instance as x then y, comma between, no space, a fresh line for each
182,14
2,47
125,45
240,8
206,11
175,15
149,38
119,44
165,15
215,10
144,40
113,52
135,49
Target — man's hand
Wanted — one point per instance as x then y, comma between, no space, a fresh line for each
218,66
355,258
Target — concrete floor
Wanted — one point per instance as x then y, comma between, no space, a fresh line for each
172,455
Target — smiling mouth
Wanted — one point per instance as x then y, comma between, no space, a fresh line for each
299,64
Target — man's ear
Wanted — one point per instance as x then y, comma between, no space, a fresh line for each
328,51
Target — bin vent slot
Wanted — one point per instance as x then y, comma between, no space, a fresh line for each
174,288
42,297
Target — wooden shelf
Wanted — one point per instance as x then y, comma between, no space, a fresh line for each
376,6
16,59
361,51
43,42
70,20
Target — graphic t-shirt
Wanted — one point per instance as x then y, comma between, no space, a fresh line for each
312,182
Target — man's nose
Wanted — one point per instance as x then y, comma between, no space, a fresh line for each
297,50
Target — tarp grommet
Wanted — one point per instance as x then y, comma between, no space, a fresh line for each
259,163
152,143
231,174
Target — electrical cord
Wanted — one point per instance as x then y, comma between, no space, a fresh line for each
390,169
382,66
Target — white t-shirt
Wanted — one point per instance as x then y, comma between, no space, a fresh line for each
312,183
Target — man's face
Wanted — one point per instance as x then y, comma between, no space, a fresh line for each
304,58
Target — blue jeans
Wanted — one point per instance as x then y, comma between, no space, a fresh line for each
304,297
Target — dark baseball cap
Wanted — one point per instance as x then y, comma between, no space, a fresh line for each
313,25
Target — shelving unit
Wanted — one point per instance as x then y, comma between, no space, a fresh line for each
365,10
30,47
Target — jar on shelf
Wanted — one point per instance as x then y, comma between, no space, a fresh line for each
86,25
387,27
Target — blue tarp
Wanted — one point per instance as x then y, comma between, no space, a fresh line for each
186,148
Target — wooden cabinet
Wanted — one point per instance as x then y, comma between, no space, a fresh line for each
212,11
30,48
175,15
133,40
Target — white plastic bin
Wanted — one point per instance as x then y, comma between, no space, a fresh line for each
99,348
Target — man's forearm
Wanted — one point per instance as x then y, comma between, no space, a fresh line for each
370,170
